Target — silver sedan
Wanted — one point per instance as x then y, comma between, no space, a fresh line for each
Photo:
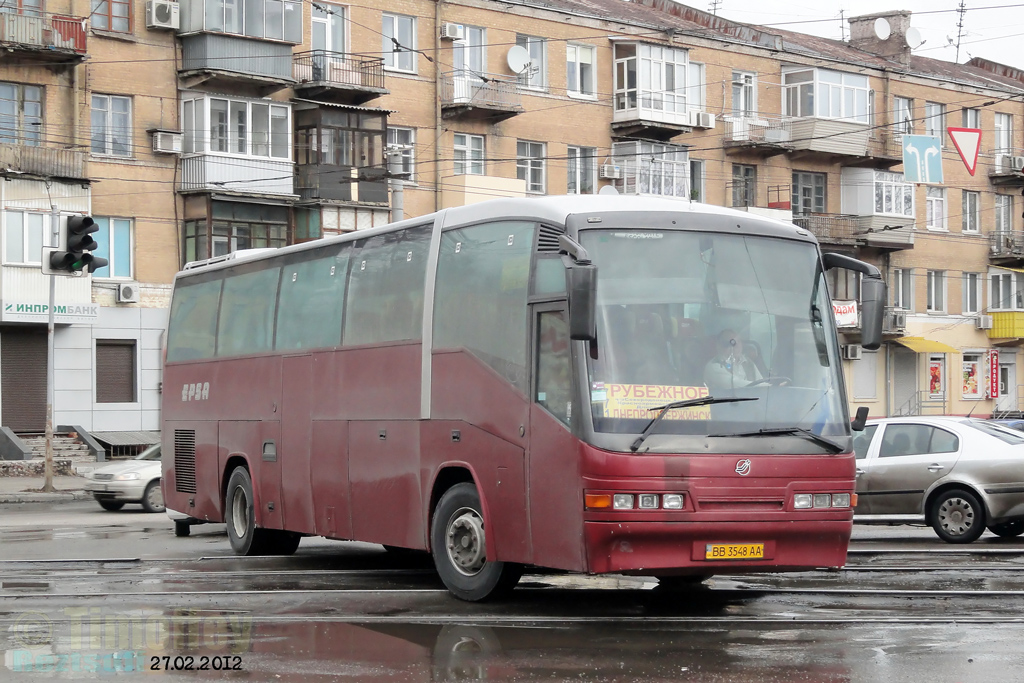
959,475
129,481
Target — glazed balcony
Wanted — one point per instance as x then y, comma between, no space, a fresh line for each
46,162
216,172
43,37
338,77
472,95
340,183
1006,325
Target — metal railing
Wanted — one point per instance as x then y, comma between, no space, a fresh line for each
464,88
1014,412
40,30
921,403
1006,244
43,161
338,68
829,226
759,129
1008,161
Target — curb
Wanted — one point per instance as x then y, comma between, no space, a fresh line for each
58,497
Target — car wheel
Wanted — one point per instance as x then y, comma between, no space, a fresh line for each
458,545
240,517
182,528
958,517
1008,529
111,505
153,497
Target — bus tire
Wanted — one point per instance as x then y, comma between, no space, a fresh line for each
282,542
458,546
240,517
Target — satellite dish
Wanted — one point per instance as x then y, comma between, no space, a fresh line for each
518,58
882,28
913,38
608,190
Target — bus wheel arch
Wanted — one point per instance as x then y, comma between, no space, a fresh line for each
245,536
235,460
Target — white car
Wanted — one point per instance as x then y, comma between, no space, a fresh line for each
960,475
130,481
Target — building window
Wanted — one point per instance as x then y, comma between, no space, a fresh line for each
237,127
23,241
903,288
1004,213
972,292
936,291
936,375
893,195
327,26
843,284
582,170
744,185
111,125
971,211
399,43
469,154
1003,293
115,371
652,168
402,151
579,76
530,164
1004,134
935,120
112,15
865,377
469,58
744,94
697,180
935,214
264,19
972,378
114,238
972,118
234,227
662,82
21,114
535,75
903,115
809,193
825,94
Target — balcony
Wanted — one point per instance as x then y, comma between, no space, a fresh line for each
764,136
864,231
1008,169
39,37
481,96
338,77
209,172
46,162
1007,325
830,138
234,64
340,183
1006,247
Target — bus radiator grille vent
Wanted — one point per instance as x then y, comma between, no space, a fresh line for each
185,460
713,505
547,241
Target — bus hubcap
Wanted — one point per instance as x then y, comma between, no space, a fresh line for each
240,513
466,541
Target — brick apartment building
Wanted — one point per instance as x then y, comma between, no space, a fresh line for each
191,129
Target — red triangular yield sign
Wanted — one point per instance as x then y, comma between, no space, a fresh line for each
968,142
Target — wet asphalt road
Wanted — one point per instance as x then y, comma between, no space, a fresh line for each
89,594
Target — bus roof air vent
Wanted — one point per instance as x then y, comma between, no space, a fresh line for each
547,241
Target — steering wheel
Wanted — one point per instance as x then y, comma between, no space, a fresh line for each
777,381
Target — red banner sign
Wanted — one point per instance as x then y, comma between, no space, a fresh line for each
993,373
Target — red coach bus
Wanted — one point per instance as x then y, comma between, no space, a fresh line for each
590,383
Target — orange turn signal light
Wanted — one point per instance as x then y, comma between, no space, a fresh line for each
597,501
853,500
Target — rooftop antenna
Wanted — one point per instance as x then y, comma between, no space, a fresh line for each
842,23
961,11
714,6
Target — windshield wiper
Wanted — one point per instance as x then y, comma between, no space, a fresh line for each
705,401
799,431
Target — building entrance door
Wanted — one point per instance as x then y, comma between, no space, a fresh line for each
23,379
1007,400
904,382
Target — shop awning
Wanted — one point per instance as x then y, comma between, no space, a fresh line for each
922,345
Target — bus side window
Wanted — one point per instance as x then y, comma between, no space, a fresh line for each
312,294
554,371
192,332
247,309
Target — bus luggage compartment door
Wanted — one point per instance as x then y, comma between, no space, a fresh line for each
271,513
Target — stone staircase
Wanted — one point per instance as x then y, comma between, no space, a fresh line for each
69,457
64,446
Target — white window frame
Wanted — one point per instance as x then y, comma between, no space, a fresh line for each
903,288
970,211
531,164
971,118
853,90
1001,291
330,14
975,358
652,168
903,115
888,188
24,258
108,126
579,172
202,139
574,64
1003,136
936,300
698,172
935,121
402,155
650,64
469,54
971,286
395,23
935,208
744,93
535,77
1004,213
111,257
466,155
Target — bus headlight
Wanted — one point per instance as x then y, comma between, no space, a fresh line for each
822,500
648,501
840,500
622,501
802,500
672,501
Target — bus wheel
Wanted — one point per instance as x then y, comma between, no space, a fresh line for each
281,542
245,538
458,545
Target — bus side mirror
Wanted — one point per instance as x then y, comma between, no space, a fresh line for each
857,424
583,301
872,308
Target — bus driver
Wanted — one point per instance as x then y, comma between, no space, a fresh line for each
730,368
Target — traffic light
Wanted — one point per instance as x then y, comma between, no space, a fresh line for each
77,244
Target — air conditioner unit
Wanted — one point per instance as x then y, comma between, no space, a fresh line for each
852,351
610,172
899,320
702,119
453,31
983,322
162,14
167,142
128,293
1016,163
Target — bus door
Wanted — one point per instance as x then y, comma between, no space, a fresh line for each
296,442
270,515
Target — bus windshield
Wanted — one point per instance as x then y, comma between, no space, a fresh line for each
684,315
